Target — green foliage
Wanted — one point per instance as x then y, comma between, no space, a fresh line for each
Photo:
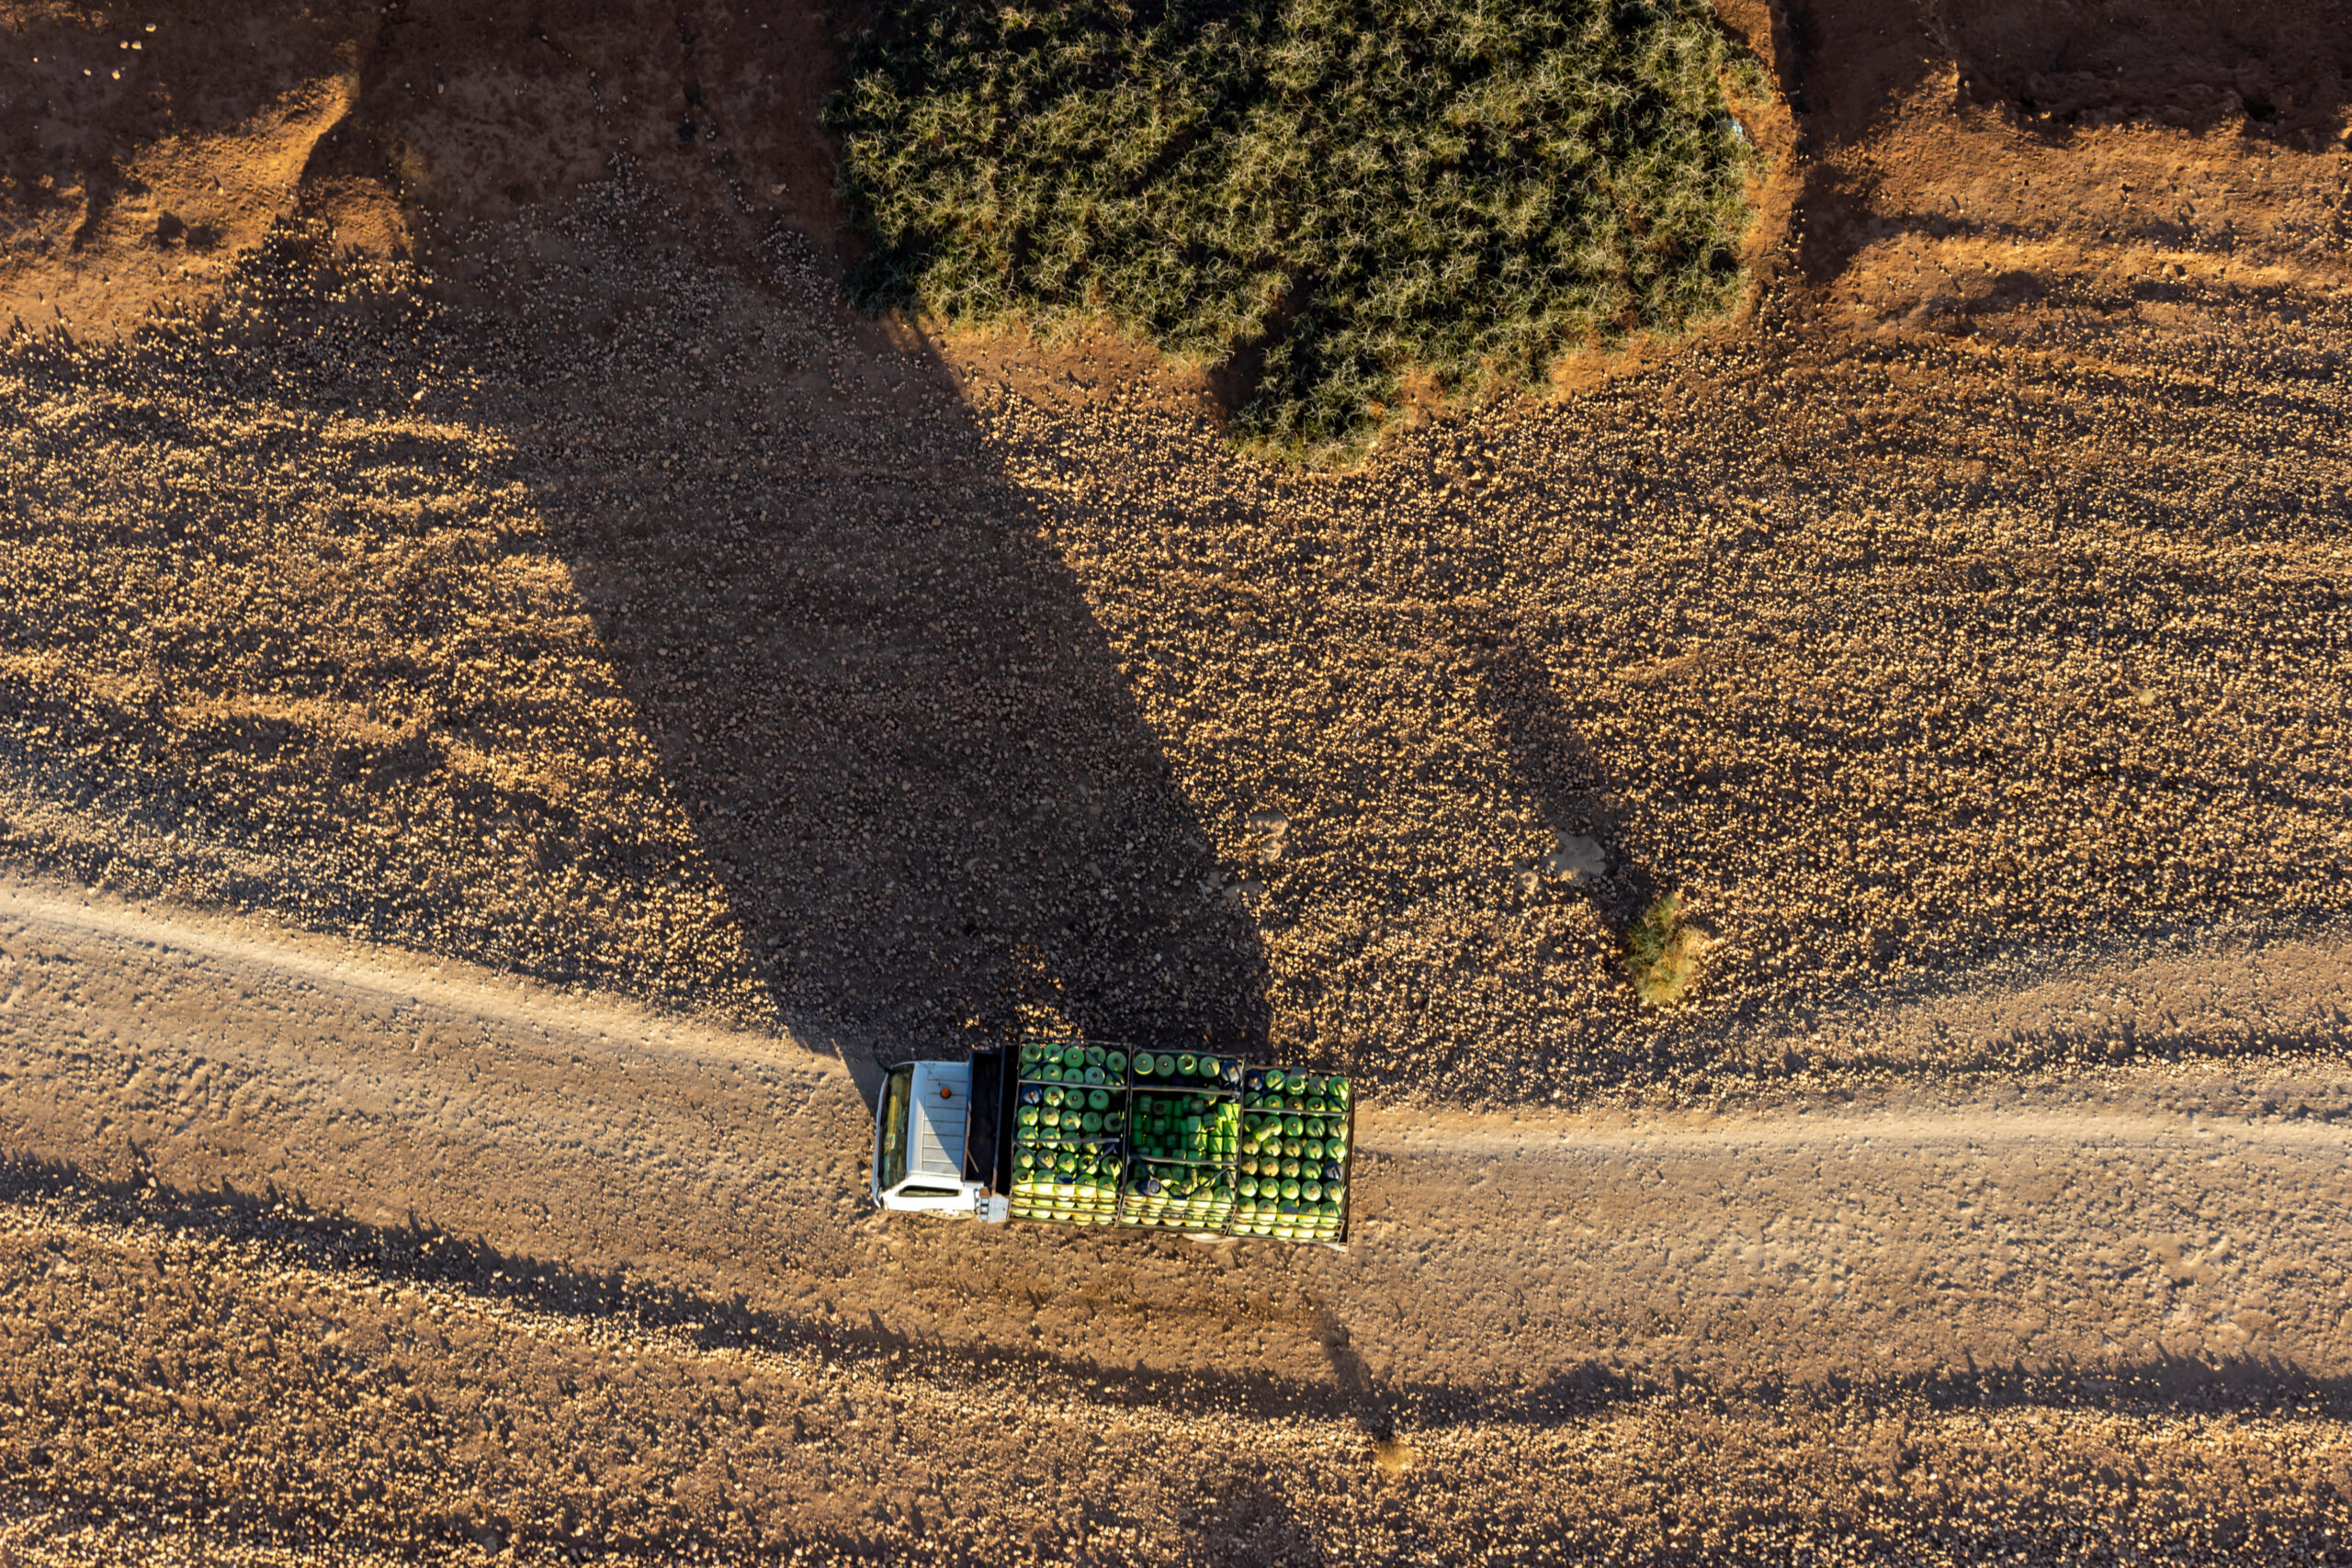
1661,952
1340,193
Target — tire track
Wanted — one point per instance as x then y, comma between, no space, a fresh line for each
2137,1213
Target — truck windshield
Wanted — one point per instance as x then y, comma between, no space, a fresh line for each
897,1091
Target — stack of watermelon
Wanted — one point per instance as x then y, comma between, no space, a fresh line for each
1184,1122
1069,1130
1185,1140
1291,1173
1183,1069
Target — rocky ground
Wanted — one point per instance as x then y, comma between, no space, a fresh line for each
500,544
310,1251
658,624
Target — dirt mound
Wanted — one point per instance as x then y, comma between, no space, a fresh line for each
2280,67
139,156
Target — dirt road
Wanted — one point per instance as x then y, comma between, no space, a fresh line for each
1526,1300
502,545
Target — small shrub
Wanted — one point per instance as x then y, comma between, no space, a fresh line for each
1338,197
1662,953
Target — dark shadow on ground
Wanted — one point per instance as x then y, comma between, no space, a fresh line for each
2276,69
1249,1523
877,690
898,742
1356,1382
284,1226
1560,775
1848,60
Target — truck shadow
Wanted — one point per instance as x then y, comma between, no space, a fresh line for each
876,689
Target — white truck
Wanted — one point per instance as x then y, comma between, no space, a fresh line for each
1088,1133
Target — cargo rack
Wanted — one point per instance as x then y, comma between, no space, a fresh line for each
1173,1142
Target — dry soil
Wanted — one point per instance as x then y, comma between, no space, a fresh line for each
310,1249
448,519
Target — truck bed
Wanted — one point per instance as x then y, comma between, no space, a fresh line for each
1172,1148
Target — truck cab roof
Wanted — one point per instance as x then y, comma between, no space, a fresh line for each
942,1098
918,1136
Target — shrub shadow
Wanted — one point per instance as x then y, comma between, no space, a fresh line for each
1594,858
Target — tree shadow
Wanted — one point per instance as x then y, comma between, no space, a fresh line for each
288,1229
1848,60
876,689
879,710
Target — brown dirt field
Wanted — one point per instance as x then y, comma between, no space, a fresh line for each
445,507
309,1247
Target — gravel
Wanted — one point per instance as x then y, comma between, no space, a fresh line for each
660,626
